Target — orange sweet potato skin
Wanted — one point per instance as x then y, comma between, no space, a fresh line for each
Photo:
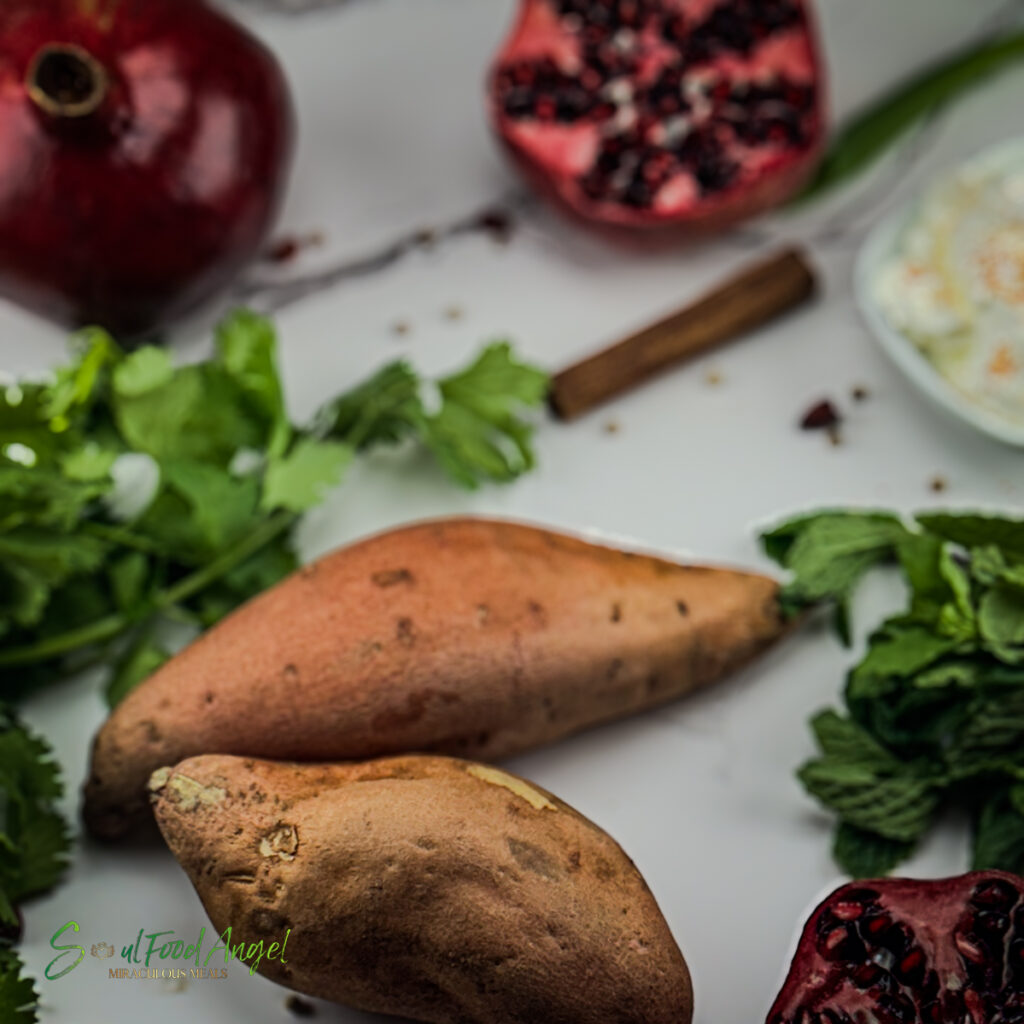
427,887
471,637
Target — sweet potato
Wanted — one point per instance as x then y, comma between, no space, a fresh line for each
432,888
464,636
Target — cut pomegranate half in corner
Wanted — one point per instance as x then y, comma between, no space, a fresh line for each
900,951
662,113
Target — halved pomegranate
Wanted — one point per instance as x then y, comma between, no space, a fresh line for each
899,951
648,113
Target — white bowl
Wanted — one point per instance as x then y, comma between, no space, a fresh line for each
879,247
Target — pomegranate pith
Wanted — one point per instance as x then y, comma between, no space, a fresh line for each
651,113
144,146
900,951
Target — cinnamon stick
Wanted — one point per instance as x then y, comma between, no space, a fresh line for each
753,298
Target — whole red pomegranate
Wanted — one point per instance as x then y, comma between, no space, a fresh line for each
899,951
655,113
144,146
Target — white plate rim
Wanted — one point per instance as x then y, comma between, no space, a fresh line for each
879,246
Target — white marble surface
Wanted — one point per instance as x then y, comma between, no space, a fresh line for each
702,795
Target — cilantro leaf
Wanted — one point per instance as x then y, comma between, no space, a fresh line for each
138,663
299,480
382,410
34,855
18,996
477,434
269,565
248,350
84,381
197,414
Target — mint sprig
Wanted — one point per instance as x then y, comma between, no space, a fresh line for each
934,711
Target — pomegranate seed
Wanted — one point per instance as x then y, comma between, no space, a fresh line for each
820,417
968,949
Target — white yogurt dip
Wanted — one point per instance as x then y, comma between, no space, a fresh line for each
954,284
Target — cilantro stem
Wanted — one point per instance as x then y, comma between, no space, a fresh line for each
244,549
112,626
120,535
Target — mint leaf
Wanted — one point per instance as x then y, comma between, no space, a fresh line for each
896,650
991,740
920,556
1001,623
865,854
842,739
971,530
998,835
829,553
866,784
898,807
299,480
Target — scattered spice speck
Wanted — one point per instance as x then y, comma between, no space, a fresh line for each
286,249
454,313
426,238
712,378
860,393
299,1007
835,437
401,327
822,416
612,427
938,484
497,223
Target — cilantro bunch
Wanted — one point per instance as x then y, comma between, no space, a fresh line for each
133,491
934,712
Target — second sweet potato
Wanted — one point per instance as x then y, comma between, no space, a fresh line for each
464,636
